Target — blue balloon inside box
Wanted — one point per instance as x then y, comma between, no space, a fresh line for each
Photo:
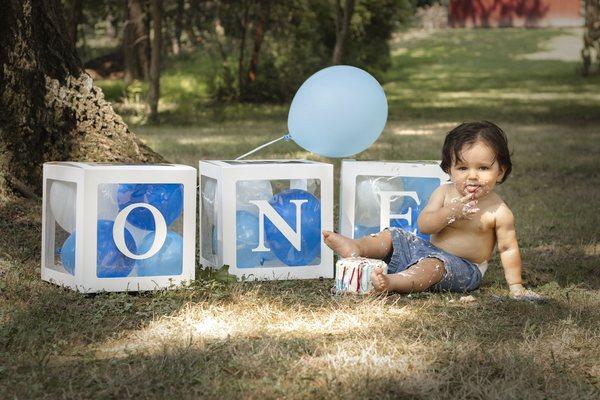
247,241
266,217
167,261
118,227
111,262
407,211
362,231
167,198
413,227
307,244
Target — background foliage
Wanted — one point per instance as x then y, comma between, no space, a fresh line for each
299,37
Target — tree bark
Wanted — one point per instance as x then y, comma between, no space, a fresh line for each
342,27
75,14
154,89
132,68
111,28
259,34
591,37
178,27
244,25
51,110
141,42
188,22
220,37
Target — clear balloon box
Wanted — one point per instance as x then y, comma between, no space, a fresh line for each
111,227
375,195
264,218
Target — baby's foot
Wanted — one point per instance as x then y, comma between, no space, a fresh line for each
342,245
528,295
381,282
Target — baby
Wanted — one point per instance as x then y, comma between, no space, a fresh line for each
465,218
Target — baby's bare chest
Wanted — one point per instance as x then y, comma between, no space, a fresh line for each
473,239
481,221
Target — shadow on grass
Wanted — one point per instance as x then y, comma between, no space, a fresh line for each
51,338
570,266
39,319
474,352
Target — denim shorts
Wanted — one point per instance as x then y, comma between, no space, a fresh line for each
408,249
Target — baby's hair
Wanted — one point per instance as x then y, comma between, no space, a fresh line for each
466,134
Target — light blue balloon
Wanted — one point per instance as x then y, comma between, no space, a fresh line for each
168,260
246,232
338,112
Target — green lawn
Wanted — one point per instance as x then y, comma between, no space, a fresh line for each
293,339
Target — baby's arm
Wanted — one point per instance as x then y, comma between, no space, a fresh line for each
435,216
510,255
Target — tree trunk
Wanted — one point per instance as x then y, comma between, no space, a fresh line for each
51,109
228,78
178,28
141,43
244,25
75,13
132,68
259,34
111,29
342,27
591,37
188,22
154,89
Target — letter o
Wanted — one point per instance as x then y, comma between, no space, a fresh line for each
160,235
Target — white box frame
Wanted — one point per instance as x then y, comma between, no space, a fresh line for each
87,177
226,175
351,169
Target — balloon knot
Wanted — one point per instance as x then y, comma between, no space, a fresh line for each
287,137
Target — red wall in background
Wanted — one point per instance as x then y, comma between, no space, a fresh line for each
518,13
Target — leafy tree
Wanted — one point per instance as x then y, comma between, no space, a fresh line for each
298,38
373,25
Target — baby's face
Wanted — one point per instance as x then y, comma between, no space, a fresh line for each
478,171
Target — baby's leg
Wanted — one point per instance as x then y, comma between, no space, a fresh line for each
416,278
378,246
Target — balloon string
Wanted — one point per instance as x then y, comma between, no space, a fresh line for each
285,137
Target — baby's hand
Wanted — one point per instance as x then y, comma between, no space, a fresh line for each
518,292
462,208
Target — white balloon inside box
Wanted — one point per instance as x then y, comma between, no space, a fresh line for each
368,197
118,227
249,190
62,203
375,195
210,246
263,218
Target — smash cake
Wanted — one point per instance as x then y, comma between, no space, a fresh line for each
353,274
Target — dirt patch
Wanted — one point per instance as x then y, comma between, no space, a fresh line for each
565,47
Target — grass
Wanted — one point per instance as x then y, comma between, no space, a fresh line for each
294,339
